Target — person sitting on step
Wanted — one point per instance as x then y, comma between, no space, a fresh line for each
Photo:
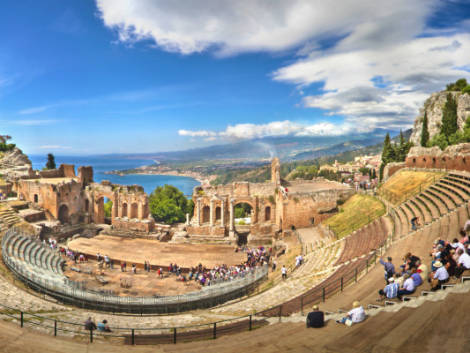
315,318
408,287
390,291
439,277
356,315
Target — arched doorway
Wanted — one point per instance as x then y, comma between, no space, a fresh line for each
124,210
108,210
267,213
218,213
64,214
206,211
243,212
134,210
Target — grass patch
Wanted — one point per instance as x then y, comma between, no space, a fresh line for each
358,211
406,183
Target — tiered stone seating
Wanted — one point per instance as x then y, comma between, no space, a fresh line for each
9,217
31,252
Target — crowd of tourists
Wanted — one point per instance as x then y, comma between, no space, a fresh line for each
255,258
448,259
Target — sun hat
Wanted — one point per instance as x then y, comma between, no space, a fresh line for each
356,304
315,307
437,264
391,279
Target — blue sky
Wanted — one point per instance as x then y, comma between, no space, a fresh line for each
85,77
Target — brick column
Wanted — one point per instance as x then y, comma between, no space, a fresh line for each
198,213
231,215
222,214
211,213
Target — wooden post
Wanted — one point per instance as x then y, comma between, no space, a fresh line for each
132,337
174,335
251,324
55,327
215,331
341,284
21,319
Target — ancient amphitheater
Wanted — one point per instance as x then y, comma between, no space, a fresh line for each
271,318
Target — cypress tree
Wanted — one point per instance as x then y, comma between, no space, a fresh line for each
449,117
425,131
50,161
388,152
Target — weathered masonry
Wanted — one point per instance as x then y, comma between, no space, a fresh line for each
275,206
73,199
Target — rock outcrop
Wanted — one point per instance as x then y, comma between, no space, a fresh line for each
433,107
15,164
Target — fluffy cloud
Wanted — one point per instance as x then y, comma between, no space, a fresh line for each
380,63
384,85
275,128
188,26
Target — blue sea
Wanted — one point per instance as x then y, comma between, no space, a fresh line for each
102,164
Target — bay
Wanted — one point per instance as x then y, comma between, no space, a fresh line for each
102,164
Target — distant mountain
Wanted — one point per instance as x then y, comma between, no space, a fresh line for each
286,148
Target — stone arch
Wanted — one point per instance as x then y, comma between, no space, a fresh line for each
218,213
134,210
244,209
206,211
64,216
267,213
124,210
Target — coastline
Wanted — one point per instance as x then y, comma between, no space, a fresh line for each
196,176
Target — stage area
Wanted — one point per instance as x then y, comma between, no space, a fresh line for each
157,253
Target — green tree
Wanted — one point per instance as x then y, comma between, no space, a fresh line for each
425,131
388,151
449,117
364,171
108,207
50,161
169,205
374,174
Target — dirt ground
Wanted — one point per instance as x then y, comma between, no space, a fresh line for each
158,253
126,283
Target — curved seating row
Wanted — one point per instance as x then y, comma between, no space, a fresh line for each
30,251
448,194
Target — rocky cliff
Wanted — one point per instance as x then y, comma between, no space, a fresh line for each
433,107
14,164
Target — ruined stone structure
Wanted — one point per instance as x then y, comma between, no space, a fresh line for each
275,206
456,157
73,199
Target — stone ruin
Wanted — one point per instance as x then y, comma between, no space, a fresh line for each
276,206
76,199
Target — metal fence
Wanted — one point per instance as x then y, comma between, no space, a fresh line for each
67,291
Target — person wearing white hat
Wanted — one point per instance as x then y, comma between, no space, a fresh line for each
440,276
356,315
390,291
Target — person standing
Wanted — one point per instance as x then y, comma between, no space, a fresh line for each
284,272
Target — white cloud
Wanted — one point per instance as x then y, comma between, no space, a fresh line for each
384,86
188,26
199,133
35,122
275,128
